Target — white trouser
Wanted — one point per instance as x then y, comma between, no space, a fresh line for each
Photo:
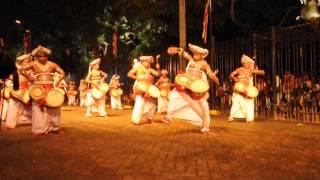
143,110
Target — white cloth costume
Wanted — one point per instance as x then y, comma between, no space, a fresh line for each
182,106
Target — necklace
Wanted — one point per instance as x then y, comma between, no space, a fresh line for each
43,68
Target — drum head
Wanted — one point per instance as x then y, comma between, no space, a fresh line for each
199,86
142,86
153,91
240,87
114,93
104,88
164,93
54,98
120,92
182,79
37,92
61,91
252,92
96,93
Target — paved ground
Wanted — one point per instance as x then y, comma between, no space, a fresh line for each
112,148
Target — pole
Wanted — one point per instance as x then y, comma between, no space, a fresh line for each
212,49
182,30
273,56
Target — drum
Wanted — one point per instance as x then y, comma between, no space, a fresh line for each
240,87
37,92
164,93
153,91
96,93
55,98
114,92
104,88
149,79
198,85
181,81
7,92
21,95
120,92
83,94
141,87
252,92
72,92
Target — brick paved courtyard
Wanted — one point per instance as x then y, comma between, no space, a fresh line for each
112,148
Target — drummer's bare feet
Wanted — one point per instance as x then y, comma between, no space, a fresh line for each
88,115
206,131
166,120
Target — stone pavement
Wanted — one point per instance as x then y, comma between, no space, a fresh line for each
113,148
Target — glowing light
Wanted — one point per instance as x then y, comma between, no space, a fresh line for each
18,21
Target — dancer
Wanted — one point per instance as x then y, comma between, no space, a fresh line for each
143,75
83,89
5,97
98,89
164,85
115,92
244,92
45,119
72,94
189,99
20,110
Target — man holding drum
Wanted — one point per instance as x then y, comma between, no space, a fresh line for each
115,92
144,91
164,85
189,99
244,92
46,99
19,103
83,88
98,89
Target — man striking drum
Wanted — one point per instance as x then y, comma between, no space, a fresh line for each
20,110
98,89
164,85
189,99
115,92
144,106
244,92
45,113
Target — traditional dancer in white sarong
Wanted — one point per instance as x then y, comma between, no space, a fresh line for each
5,97
83,90
188,100
144,107
20,110
72,94
96,95
164,85
115,92
242,101
44,119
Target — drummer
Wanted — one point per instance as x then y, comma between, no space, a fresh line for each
44,120
181,104
242,106
144,106
95,78
8,84
72,93
20,110
115,92
83,88
164,85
